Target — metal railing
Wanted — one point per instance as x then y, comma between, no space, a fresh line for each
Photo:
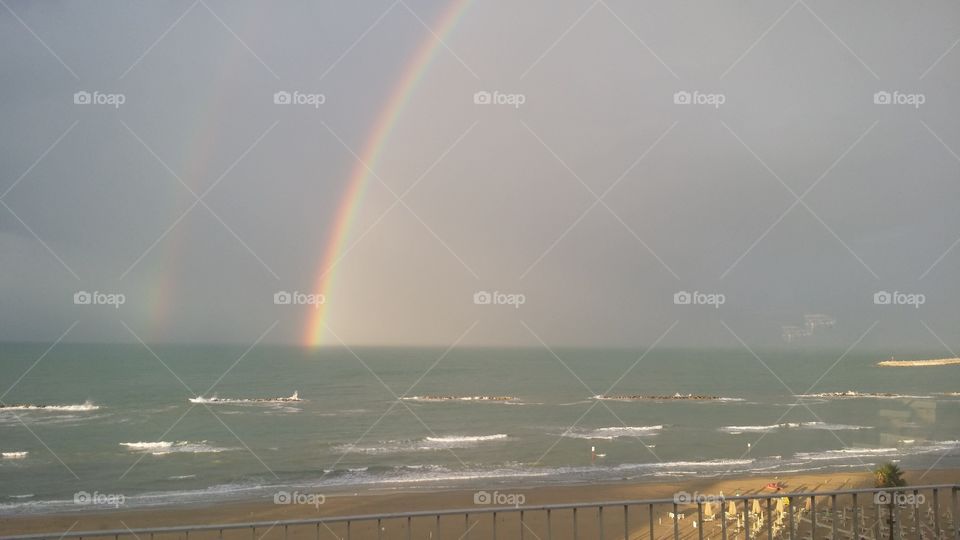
915,512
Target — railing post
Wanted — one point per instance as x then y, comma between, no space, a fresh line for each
600,520
409,528
626,523
876,524
379,528
466,525
549,526
769,518
676,523
650,506
856,516
494,526
574,523
790,515
521,525
699,520
916,512
436,532
813,517
746,519
936,513
833,509
954,513
723,518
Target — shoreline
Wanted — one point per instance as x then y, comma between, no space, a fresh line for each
425,499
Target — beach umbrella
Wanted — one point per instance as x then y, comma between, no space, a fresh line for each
808,504
732,508
708,509
756,506
781,507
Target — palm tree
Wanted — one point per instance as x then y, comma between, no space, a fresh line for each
888,475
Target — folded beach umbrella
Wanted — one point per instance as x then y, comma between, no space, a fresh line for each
756,506
732,508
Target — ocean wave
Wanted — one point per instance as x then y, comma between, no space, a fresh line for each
13,455
85,406
855,394
846,453
160,448
238,401
610,433
438,399
421,445
466,438
675,397
736,430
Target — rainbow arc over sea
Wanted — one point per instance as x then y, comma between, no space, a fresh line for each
379,135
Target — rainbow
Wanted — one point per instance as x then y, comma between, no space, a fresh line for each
360,175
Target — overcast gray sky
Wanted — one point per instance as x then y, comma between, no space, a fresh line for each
789,190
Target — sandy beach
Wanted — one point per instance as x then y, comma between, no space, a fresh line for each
453,527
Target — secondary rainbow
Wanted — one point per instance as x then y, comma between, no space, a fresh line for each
360,175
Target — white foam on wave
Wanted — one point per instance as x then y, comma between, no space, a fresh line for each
13,455
846,453
422,445
85,406
159,448
853,394
467,438
736,430
511,400
610,433
214,400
